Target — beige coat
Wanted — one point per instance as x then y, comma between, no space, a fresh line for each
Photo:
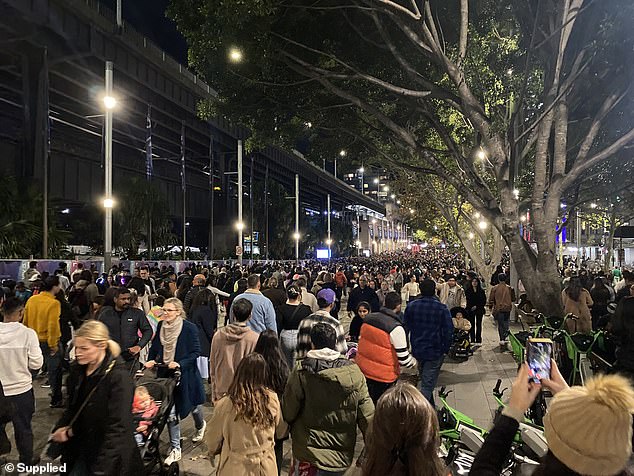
581,309
244,450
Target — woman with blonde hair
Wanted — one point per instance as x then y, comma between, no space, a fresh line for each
176,345
98,438
245,421
404,437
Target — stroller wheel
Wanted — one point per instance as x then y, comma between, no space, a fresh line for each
171,470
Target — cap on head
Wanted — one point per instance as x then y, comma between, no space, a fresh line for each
328,295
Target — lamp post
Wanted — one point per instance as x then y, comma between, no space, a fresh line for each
296,234
378,188
240,224
328,240
361,171
109,102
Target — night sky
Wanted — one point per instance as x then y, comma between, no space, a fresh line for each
148,17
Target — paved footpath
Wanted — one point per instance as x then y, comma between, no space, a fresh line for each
471,381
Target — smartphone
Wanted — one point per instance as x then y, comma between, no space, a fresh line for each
538,355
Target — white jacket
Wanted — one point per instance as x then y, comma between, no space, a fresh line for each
19,354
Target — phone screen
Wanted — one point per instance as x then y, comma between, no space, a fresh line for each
538,355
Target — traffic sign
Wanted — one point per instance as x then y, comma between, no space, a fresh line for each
239,250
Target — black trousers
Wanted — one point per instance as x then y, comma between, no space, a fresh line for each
376,389
475,318
21,409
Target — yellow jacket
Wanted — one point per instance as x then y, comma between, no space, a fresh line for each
41,314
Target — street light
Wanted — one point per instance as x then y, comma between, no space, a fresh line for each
342,153
296,236
108,203
481,154
239,226
593,205
109,102
483,225
235,55
476,215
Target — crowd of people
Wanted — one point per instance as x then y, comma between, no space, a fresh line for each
266,346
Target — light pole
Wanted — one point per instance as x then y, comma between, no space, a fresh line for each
328,240
240,224
378,188
109,102
361,170
296,234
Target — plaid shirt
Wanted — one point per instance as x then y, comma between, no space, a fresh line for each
303,337
429,324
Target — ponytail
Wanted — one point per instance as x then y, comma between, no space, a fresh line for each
114,348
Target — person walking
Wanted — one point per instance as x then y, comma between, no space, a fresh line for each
577,301
431,333
363,309
289,316
623,331
204,314
42,313
325,301
363,293
325,399
401,449
125,323
268,346
451,293
501,300
382,347
476,300
601,297
101,439
411,290
176,345
20,355
198,284
243,427
229,346
263,313
274,293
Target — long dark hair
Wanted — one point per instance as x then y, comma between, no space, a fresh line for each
405,436
268,346
248,393
574,288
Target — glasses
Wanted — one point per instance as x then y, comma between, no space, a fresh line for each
169,310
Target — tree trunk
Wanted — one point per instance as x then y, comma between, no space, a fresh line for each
607,266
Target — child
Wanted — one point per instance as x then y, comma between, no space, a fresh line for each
459,321
145,408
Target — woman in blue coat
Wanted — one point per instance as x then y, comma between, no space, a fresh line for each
176,344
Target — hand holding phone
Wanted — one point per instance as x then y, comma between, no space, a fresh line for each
538,358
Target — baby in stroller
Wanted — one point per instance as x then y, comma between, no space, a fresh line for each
144,408
461,347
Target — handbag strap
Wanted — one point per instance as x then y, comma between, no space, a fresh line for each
88,397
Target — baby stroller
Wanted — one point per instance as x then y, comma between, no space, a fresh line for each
162,391
461,346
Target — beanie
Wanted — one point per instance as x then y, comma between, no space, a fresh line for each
589,429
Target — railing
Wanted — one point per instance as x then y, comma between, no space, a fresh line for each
148,46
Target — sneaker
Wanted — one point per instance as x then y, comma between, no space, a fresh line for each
46,384
174,456
199,433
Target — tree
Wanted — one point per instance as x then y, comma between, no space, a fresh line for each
21,222
490,96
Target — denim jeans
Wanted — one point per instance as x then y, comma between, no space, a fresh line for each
174,426
288,339
54,368
429,370
21,409
503,319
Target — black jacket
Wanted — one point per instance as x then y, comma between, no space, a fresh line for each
367,294
207,322
189,297
475,298
124,330
103,434
492,456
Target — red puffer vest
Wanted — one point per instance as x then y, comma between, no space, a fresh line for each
376,356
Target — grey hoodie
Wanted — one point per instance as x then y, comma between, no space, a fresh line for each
228,347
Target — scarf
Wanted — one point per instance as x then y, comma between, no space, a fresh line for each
169,335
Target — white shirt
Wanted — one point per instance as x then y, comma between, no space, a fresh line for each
19,354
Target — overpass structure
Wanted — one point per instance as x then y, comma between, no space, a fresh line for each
52,59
